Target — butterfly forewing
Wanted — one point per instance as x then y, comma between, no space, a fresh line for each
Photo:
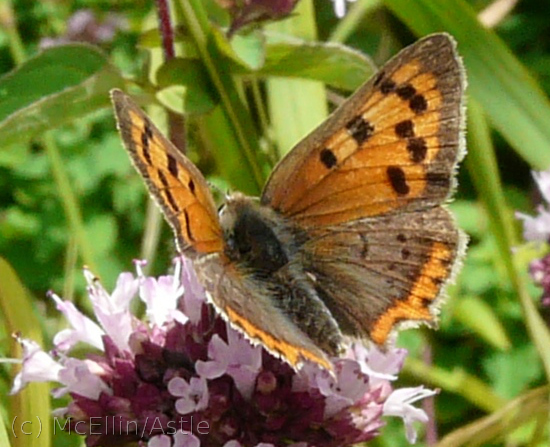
182,192
393,146
175,183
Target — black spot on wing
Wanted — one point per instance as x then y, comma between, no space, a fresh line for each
405,129
360,129
406,91
172,165
418,149
387,87
146,137
328,158
398,181
418,104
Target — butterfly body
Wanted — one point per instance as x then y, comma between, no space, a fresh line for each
256,237
267,249
350,237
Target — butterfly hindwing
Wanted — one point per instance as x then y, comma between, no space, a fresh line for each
392,146
377,273
175,183
244,302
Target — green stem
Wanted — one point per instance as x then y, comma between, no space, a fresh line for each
352,19
69,201
482,166
457,381
218,69
8,22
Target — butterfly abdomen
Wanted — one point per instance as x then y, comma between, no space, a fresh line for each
298,298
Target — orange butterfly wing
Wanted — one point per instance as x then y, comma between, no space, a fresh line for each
377,274
368,185
392,146
176,184
182,193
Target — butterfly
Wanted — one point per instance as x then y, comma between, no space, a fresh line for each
350,238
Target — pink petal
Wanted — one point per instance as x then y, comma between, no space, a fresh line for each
38,366
83,328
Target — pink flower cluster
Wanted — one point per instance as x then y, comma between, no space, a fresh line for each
537,229
186,378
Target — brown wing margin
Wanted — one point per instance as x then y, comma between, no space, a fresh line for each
175,183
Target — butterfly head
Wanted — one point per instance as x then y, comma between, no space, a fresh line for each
255,236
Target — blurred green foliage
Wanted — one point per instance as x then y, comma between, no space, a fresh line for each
68,194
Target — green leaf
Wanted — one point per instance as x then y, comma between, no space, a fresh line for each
198,94
245,50
20,317
283,55
296,106
334,64
502,367
55,87
510,96
478,316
